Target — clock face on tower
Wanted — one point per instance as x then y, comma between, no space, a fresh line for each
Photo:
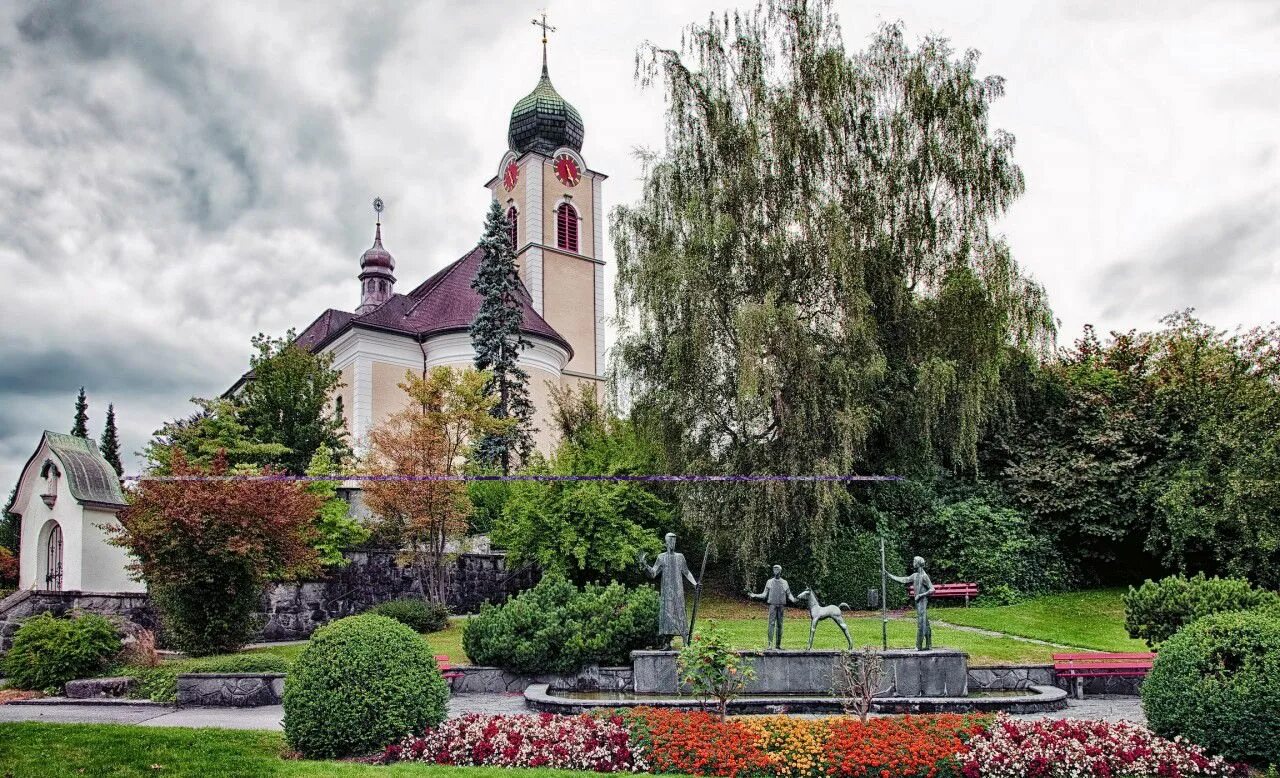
510,176
567,170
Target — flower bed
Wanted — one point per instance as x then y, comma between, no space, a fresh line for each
664,740
598,744
1075,748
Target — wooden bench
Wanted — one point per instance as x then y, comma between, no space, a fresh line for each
1082,666
446,669
965,590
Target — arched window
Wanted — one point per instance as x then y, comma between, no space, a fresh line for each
566,228
513,231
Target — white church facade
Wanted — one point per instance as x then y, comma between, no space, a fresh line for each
553,201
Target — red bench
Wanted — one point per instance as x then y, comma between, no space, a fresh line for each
1082,666
965,590
446,669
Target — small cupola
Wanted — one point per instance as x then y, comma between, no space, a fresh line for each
377,283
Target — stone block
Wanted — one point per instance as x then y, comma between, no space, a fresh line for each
90,688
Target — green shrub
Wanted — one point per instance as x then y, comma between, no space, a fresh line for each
853,568
996,547
417,615
1217,683
1156,610
556,628
218,614
160,683
361,683
47,651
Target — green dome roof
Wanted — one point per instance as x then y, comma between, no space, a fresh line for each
543,121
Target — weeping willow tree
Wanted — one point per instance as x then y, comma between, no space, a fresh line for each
810,282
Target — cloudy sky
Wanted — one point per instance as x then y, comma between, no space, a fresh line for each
177,176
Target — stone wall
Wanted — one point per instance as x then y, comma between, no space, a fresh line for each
132,608
293,611
989,678
231,690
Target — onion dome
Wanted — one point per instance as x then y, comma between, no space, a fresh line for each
377,256
543,121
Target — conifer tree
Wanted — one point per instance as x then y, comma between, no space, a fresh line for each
81,427
496,337
109,445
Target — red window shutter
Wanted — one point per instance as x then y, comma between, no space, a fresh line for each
513,230
567,228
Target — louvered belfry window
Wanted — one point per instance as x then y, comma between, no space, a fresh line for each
512,231
566,228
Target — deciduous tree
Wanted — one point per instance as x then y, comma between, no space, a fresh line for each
811,281
289,401
447,410
206,547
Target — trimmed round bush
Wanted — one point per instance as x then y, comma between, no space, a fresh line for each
1156,610
1217,683
417,615
361,683
48,651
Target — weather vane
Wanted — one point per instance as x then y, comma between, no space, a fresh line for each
546,28
377,208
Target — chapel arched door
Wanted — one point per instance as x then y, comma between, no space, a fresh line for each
53,559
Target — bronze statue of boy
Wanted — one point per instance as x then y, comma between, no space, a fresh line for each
922,587
777,593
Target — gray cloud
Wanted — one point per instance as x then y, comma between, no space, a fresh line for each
177,176
1204,263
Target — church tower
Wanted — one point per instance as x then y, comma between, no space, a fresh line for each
553,202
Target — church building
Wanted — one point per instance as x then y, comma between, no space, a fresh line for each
552,200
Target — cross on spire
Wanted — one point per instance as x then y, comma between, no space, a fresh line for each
546,28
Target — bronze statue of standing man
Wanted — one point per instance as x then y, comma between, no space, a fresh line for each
921,588
674,570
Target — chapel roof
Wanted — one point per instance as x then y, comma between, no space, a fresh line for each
90,477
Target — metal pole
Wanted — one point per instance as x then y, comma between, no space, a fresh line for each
884,608
697,594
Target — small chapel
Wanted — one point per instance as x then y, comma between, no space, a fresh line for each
552,200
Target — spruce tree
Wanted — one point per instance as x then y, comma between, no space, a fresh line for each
498,341
110,442
81,427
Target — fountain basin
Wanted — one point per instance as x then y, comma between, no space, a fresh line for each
1036,699
906,673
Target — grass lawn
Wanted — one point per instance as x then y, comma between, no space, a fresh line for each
1088,620
37,750
1091,619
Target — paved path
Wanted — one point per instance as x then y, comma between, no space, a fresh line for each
269,717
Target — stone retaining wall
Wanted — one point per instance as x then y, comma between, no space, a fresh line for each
495,680
231,690
292,611
132,608
1010,677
